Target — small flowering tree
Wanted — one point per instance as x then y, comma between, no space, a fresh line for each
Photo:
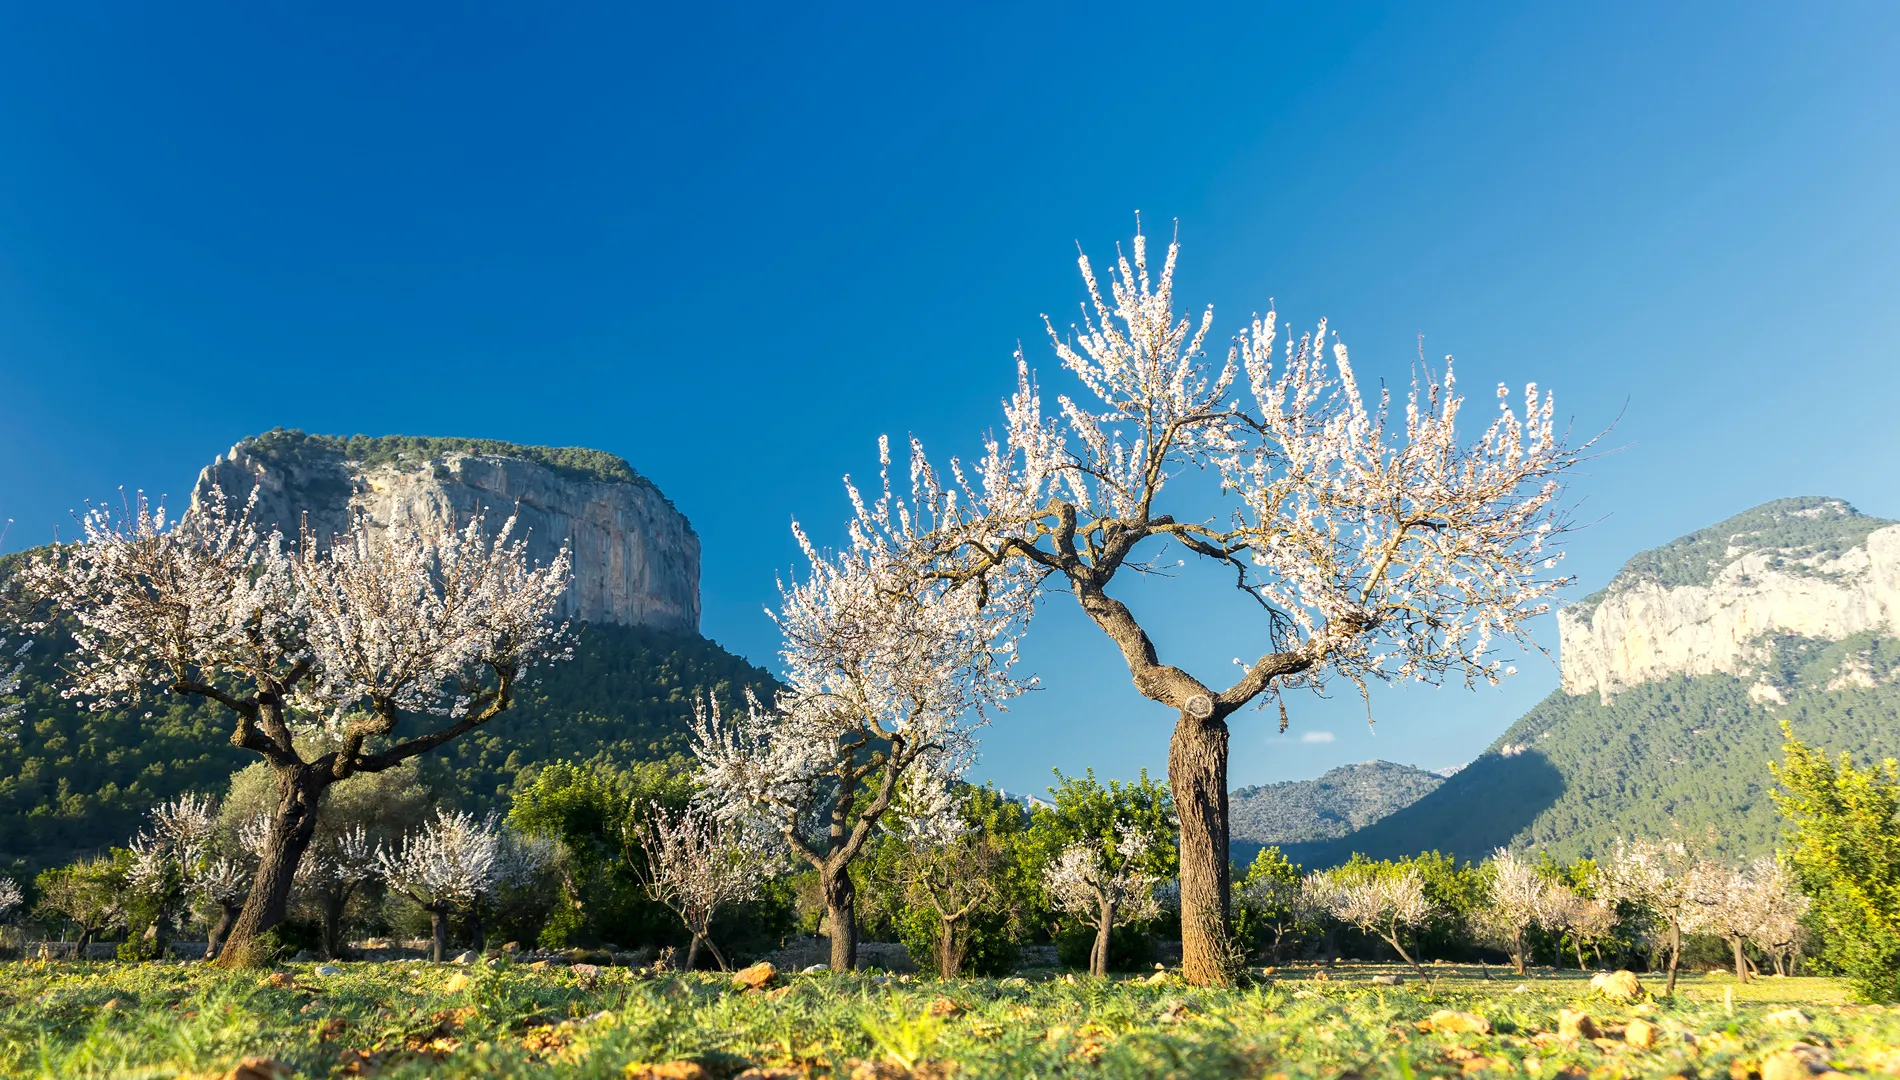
1660,877
1756,903
451,864
331,872
10,896
1107,883
1376,901
696,863
1588,921
166,859
1517,898
888,669
1378,546
396,641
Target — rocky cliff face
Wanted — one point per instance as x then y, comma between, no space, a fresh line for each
636,558
1715,600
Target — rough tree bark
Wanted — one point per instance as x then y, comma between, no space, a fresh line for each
227,915
1197,773
841,902
439,928
1675,957
293,823
1104,930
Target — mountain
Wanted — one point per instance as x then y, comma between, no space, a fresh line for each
636,557
1339,801
73,780
1675,678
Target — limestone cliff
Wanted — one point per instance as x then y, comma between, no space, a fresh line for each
1714,600
636,558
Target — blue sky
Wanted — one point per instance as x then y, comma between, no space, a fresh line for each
735,244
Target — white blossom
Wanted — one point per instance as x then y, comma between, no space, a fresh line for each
1385,904
697,863
10,896
1093,876
448,863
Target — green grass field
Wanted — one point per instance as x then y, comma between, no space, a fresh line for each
429,1020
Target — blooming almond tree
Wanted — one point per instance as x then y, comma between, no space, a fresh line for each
452,864
397,640
331,872
888,669
1107,883
1776,909
1586,919
696,863
1518,898
10,896
1382,903
1377,546
1660,877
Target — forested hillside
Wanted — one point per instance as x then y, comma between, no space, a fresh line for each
73,781
1332,805
1688,753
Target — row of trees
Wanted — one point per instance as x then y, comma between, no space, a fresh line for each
1377,546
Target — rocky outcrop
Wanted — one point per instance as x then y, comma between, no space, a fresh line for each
1710,602
636,558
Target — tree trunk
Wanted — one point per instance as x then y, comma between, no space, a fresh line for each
1197,773
841,900
292,824
1579,954
1104,927
85,939
692,953
946,949
718,957
1517,952
477,933
227,914
1741,962
1393,940
439,928
1675,957
334,902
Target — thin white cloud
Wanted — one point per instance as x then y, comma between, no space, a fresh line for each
1317,737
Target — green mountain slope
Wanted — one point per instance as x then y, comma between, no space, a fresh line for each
73,781
1688,753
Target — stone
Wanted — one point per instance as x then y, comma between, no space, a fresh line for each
1450,1020
944,1008
670,1070
278,980
1617,985
512,947
1159,978
636,559
1576,1024
814,969
259,1068
588,974
1793,1018
328,969
1641,1034
757,977
465,958
1798,1062
538,965
457,983
1387,980
1174,1013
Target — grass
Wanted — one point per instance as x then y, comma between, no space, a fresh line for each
164,1020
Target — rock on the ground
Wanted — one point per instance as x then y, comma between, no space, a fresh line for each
1617,985
757,977
1641,1034
1793,1018
328,969
1453,1021
466,958
1387,980
1798,1062
1577,1024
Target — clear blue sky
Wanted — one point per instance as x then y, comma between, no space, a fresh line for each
736,244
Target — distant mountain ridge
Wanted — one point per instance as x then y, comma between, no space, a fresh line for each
1676,678
1331,805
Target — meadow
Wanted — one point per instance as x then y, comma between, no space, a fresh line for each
499,1018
